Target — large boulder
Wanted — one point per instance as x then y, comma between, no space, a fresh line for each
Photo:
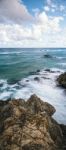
29,126
62,80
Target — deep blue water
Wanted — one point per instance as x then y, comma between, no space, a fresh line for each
20,66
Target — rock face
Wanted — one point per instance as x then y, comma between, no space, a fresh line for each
62,80
29,125
63,127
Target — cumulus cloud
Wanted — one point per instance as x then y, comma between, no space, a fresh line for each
49,2
41,31
38,34
13,11
62,7
46,8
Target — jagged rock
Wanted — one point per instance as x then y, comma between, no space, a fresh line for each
63,127
36,105
62,80
29,126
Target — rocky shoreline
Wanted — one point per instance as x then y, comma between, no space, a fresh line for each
62,80
28,125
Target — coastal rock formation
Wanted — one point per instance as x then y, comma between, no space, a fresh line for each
63,127
29,125
62,80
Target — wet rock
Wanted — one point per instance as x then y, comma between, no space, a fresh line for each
29,126
38,71
37,79
1,84
45,78
47,56
48,70
27,80
62,80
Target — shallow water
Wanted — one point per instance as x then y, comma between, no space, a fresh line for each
18,69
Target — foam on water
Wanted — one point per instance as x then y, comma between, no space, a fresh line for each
10,53
62,64
45,87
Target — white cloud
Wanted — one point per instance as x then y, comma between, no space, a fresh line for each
42,32
13,10
38,34
49,2
46,8
62,7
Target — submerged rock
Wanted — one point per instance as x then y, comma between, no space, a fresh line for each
29,126
47,56
48,70
38,71
37,79
62,80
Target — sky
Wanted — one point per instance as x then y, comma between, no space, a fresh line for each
32,23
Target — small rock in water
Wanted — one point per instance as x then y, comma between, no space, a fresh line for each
38,70
37,79
47,56
1,84
27,80
48,70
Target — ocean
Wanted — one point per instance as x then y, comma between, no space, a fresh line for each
27,71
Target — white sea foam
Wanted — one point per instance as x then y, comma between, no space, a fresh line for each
9,53
45,88
62,64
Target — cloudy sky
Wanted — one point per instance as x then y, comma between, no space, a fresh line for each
32,23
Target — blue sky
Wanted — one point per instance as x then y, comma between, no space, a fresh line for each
33,23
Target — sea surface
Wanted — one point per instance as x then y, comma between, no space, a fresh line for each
27,71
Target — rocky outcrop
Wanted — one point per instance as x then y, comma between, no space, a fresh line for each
62,80
36,105
29,125
63,127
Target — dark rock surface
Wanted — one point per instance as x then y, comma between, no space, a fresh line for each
37,79
63,127
29,126
47,56
62,80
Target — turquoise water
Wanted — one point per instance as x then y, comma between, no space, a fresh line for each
19,68
18,63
